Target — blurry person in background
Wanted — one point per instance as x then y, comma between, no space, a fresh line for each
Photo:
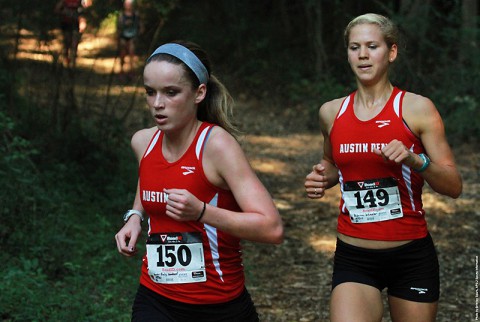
129,26
72,23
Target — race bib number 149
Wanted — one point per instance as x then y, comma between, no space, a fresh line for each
372,200
175,258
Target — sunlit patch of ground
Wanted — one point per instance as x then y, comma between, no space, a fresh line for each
324,244
88,49
291,281
269,166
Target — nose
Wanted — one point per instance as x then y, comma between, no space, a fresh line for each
363,52
159,101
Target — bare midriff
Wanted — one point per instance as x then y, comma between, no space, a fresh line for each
371,244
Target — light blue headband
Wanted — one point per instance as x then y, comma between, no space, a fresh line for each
187,57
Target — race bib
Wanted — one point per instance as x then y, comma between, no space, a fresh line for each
176,258
372,200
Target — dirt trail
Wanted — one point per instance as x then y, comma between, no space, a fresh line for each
291,282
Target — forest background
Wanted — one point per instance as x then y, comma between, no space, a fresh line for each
67,173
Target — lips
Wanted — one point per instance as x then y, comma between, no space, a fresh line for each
364,66
160,119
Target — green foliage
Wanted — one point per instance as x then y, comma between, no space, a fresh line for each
62,196
270,49
462,122
65,186
313,93
92,284
17,172
57,236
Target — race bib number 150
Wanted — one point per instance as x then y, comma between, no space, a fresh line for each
175,258
372,200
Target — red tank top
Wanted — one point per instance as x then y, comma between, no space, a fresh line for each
380,200
70,12
187,261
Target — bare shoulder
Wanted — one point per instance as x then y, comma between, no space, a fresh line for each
417,103
143,135
419,112
333,106
220,141
141,139
328,111
225,159
223,150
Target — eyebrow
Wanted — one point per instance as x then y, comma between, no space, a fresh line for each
369,42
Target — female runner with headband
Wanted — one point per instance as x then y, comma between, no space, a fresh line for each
200,195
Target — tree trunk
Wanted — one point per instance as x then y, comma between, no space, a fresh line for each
469,30
415,25
313,13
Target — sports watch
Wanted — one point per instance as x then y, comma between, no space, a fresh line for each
130,213
426,162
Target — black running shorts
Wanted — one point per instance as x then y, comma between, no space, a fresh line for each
149,306
409,272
